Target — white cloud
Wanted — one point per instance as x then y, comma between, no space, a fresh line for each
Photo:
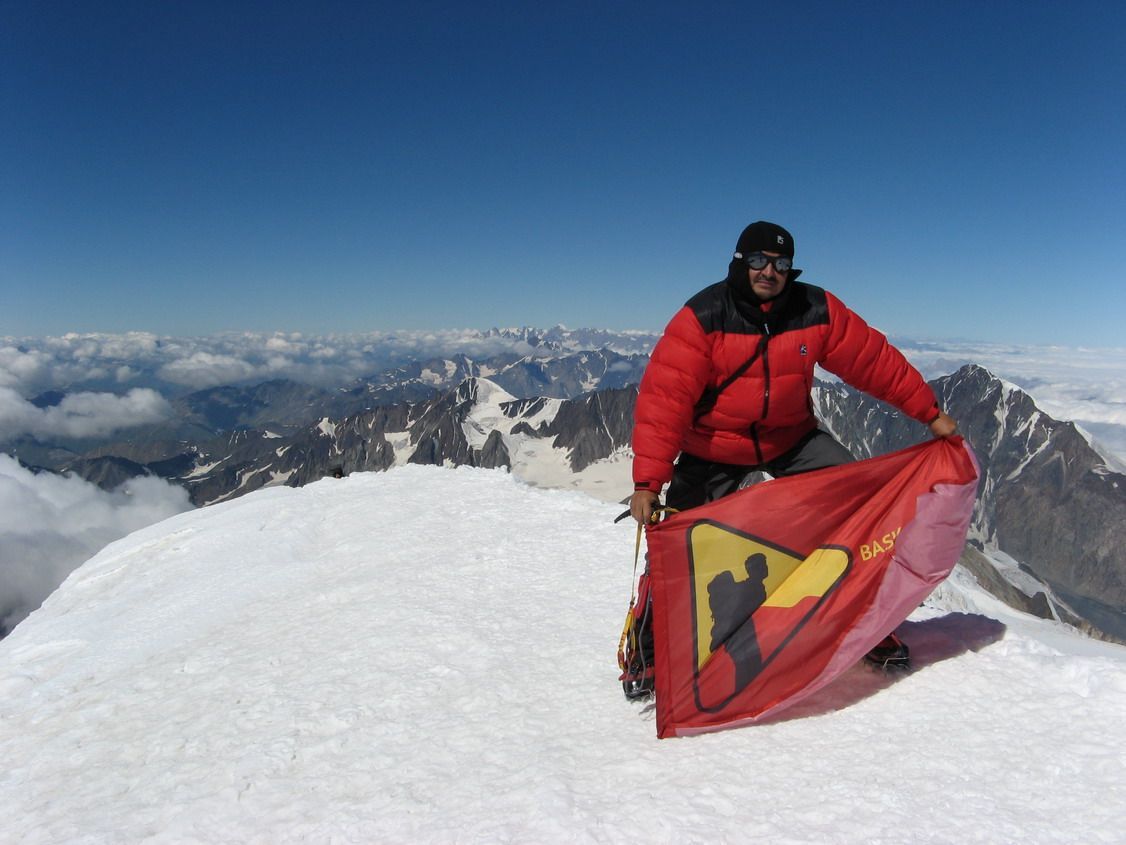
71,361
21,366
50,524
1068,383
206,369
80,414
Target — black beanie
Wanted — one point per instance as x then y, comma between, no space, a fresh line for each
765,237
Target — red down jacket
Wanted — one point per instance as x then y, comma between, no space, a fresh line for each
767,408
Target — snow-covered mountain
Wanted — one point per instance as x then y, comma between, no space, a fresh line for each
561,374
427,655
581,443
562,338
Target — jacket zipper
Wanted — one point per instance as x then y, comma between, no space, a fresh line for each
763,347
766,370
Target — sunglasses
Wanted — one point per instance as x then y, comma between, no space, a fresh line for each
759,260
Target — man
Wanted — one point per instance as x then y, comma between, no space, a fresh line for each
727,389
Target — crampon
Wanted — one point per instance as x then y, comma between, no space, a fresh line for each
890,653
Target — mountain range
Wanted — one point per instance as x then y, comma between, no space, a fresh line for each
1047,536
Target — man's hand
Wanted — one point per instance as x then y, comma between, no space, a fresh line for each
642,504
944,426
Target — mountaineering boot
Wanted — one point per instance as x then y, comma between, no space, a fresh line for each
890,652
638,677
637,681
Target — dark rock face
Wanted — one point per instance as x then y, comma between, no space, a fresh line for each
437,434
594,426
108,472
494,453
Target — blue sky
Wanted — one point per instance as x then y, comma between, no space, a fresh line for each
950,170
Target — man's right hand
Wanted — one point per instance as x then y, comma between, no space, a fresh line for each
943,426
642,504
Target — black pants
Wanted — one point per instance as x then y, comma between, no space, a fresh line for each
696,481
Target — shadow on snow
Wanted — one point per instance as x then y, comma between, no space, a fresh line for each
931,641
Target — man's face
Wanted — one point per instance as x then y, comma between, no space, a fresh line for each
767,283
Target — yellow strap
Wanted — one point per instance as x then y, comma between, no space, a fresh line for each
628,626
627,629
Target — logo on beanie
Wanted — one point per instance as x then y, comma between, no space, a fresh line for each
781,241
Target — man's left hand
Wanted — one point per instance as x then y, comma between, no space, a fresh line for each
944,426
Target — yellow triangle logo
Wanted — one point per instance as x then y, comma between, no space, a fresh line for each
733,574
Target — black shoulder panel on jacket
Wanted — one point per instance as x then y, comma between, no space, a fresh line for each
718,310
710,306
807,306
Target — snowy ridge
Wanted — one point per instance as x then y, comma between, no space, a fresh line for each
201,469
487,414
302,664
534,459
1112,461
1012,572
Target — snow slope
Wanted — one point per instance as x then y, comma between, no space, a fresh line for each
427,655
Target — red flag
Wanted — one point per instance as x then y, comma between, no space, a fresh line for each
765,596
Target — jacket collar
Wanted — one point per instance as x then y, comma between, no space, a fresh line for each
748,305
